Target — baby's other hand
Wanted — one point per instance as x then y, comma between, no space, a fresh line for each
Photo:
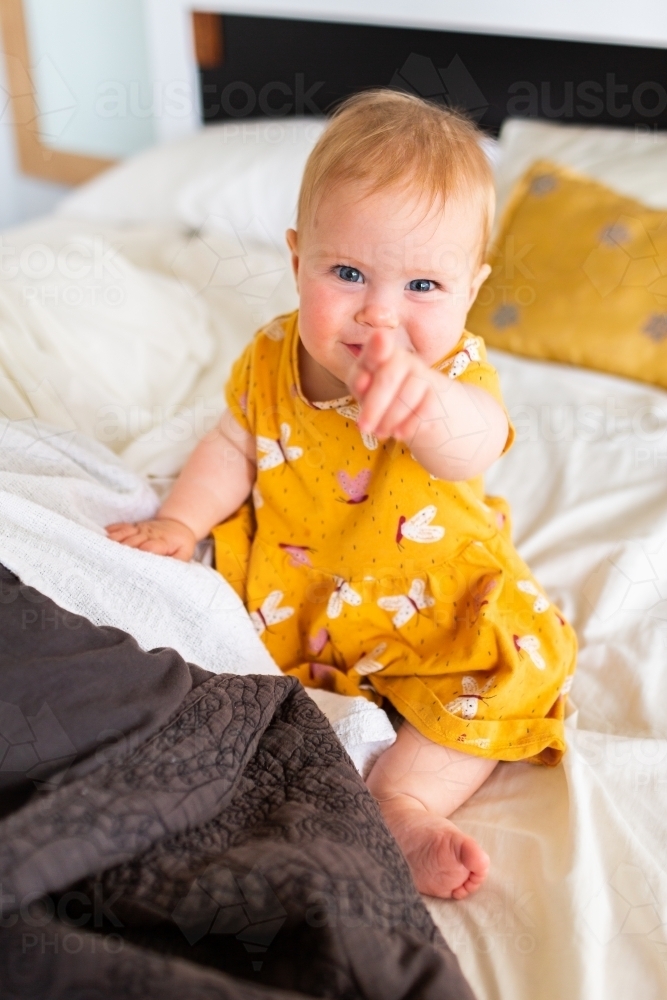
162,535
394,388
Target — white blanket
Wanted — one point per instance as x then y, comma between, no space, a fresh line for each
57,491
128,334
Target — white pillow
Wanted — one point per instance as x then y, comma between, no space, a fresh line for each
254,187
632,162
242,178
239,180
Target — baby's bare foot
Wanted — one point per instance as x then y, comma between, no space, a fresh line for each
443,860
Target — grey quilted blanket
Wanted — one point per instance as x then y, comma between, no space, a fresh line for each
169,833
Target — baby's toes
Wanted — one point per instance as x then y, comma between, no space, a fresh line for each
469,887
444,861
475,859
462,862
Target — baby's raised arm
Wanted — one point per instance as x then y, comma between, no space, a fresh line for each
215,481
454,430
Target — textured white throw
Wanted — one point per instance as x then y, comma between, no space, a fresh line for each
57,491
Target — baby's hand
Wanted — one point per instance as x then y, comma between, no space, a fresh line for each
162,535
395,389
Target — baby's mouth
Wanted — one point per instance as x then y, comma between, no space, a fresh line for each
355,349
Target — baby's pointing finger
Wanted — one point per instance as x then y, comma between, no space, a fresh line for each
374,354
359,381
381,394
376,351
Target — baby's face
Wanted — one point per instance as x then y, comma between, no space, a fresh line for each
384,262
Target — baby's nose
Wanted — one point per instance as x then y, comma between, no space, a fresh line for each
377,315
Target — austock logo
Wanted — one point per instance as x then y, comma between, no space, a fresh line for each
35,746
452,85
222,902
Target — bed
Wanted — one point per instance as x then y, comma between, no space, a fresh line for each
121,314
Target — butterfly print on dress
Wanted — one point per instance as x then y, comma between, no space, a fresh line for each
466,704
269,613
528,587
418,527
342,593
530,644
407,605
354,486
298,554
277,452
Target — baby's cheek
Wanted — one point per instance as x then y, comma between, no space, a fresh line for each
322,313
439,332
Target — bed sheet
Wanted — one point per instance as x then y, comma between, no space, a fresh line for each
576,901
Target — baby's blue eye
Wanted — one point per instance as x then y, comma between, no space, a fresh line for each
348,273
421,285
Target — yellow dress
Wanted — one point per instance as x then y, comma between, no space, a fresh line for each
351,554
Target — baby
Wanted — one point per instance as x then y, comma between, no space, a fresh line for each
343,483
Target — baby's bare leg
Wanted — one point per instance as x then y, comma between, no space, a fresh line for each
417,784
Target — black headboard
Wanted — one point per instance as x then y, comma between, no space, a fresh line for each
278,67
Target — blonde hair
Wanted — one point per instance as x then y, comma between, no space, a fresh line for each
389,138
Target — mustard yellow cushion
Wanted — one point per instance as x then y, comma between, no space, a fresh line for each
579,276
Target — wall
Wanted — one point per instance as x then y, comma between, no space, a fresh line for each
642,22
94,91
21,197
93,82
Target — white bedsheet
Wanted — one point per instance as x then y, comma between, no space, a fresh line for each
576,902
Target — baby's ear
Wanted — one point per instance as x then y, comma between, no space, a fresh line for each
292,239
478,281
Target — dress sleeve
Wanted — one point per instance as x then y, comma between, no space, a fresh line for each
238,390
469,363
